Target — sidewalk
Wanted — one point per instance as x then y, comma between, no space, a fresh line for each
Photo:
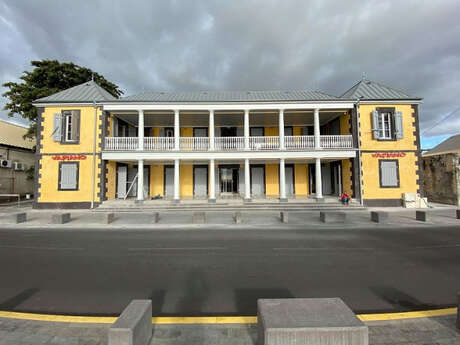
440,215
426,331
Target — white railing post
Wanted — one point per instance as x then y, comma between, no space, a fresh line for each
247,180
212,181
316,128
176,180
140,180
246,129
176,130
282,181
140,130
318,182
281,128
211,130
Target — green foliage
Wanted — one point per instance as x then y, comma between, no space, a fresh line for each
30,172
47,78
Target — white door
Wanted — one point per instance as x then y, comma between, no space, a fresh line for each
326,179
146,182
122,175
200,188
169,182
289,176
132,182
257,181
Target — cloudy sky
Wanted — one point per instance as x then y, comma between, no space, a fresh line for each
240,45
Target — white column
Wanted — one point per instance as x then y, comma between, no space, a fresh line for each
282,180
281,128
140,180
176,180
211,129
176,130
246,129
140,130
318,182
212,181
316,128
247,180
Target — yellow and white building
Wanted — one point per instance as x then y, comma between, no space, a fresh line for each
177,146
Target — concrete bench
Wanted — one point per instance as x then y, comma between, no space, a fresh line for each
237,217
134,325
295,321
332,217
422,216
199,218
108,218
16,218
155,217
60,218
284,217
379,216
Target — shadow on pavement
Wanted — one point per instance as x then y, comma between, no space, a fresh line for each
15,301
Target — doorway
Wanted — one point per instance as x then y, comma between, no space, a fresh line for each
258,180
200,181
228,132
169,182
289,178
229,178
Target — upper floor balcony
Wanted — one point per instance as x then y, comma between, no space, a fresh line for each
229,144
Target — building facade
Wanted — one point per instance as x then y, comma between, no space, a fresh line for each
210,145
16,157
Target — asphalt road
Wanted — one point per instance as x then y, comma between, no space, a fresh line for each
223,272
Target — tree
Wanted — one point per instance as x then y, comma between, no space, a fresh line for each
47,78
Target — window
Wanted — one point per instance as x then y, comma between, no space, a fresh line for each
389,173
384,125
387,124
71,124
68,175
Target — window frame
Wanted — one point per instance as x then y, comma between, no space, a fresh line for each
391,123
397,173
64,127
77,185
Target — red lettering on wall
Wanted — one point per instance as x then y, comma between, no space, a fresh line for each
69,157
389,154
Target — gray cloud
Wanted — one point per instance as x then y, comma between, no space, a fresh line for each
213,44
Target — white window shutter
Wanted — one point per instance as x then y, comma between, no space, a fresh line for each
69,176
76,125
57,125
399,130
375,124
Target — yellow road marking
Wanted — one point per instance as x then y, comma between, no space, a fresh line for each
214,319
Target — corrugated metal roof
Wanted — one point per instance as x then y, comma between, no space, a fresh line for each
370,90
83,93
12,135
450,145
229,96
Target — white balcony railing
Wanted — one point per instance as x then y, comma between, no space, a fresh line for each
229,143
300,142
264,143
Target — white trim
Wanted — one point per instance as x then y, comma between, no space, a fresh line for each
238,106
392,102
63,104
133,156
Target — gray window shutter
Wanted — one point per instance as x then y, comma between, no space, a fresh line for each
76,125
399,130
69,176
389,173
375,124
57,127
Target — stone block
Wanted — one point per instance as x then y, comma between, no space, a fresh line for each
16,218
155,217
284,217
422,216
60,218
458,213
379,216
332,216
308,321
108,218
237,218
199,218
134,325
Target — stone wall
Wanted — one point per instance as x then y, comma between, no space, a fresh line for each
441,177
15,181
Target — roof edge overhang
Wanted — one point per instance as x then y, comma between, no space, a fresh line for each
392,101
56,104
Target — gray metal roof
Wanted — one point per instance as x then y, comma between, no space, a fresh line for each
230,96
370,90
83,93
449,145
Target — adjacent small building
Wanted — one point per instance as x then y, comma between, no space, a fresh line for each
17,155
210,145
441,172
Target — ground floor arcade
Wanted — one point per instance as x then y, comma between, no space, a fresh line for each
214,179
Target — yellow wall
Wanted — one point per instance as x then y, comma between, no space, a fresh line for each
297,130
407,177
271,180
111,182
156,180
345,124
301,179
365,122
186,180
346,177
186,132
155,131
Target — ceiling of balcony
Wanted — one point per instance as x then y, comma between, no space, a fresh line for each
224,119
